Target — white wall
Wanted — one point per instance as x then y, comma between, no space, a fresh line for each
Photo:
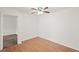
9,24
27,27
0,33
61,27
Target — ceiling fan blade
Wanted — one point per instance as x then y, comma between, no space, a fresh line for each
33,9
45,8
46,11
33,12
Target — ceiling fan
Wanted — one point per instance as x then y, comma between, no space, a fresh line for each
39,10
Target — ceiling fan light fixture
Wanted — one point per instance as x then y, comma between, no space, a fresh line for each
39,12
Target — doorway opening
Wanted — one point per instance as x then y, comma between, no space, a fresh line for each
9,30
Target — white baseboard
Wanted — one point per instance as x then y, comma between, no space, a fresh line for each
28,38
51,39
19,42
1,48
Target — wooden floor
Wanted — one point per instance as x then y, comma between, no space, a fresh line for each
39,45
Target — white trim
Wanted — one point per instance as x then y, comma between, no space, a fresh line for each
1,31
